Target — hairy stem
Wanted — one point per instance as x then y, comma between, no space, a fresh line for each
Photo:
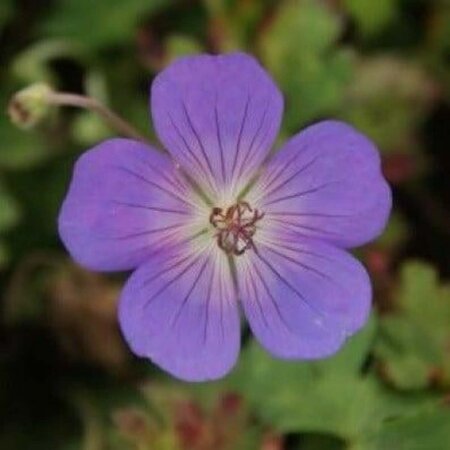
81,101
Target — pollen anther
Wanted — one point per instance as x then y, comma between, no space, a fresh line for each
235,227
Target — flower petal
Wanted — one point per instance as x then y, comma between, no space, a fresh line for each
326,183
124,200
218,116
302,297
179,310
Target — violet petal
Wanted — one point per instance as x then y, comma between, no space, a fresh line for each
326,182
179,310
218,116
302,297
125,201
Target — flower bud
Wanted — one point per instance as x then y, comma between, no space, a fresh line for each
30,105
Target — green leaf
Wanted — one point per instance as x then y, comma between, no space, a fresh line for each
105,23
332,396
371,17
299,50
413,343
427,430
301,396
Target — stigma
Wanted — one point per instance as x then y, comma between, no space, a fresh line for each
235,227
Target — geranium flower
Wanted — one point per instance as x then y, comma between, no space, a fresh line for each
218,223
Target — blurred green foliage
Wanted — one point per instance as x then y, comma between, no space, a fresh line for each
372,17
299,48
67,381
108,22
414,341
333,396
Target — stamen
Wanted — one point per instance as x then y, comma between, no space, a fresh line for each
235,226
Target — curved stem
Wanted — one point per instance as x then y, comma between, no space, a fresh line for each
81,101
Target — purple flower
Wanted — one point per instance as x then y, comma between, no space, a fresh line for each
218,223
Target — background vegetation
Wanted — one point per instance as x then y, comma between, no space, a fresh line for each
66,379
